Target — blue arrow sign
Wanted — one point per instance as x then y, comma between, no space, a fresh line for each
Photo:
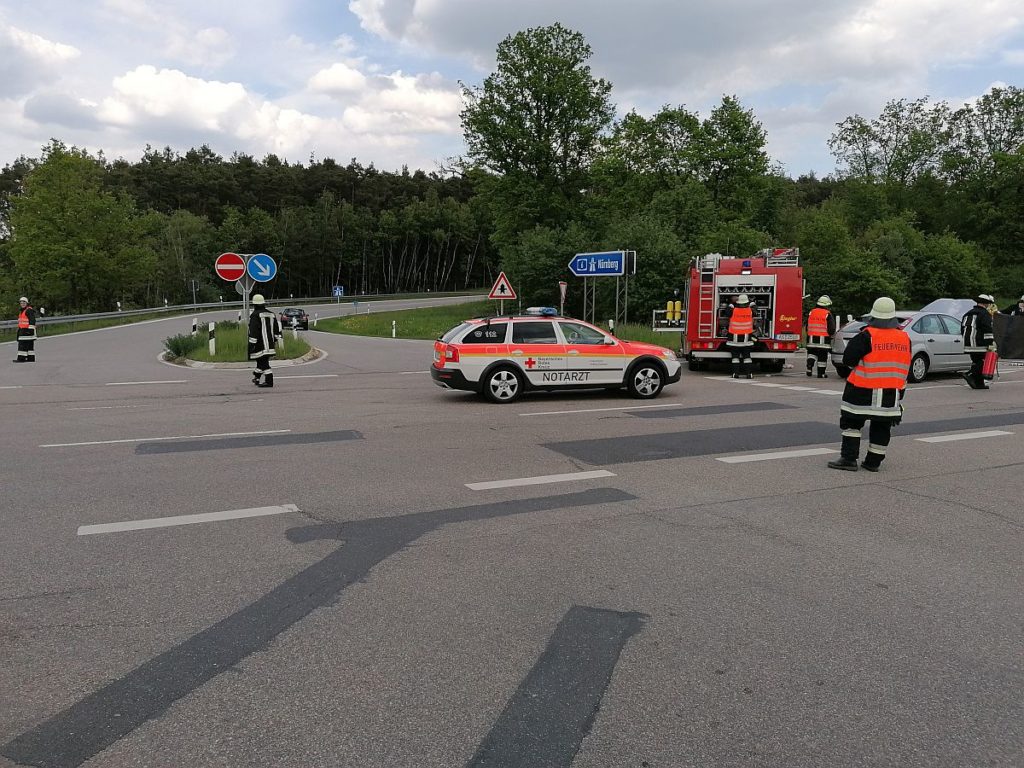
603,264
261,267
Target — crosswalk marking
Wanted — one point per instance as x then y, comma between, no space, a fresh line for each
743,459
963,436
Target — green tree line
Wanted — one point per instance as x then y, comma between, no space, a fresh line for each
927,200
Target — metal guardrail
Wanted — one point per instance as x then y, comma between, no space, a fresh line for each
42,320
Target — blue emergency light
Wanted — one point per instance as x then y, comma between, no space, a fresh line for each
542,311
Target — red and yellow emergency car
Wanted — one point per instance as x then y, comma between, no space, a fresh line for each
501,357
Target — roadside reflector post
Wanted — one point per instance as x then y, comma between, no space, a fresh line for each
239,315
213,338
393,327
195,326
295,328
611,326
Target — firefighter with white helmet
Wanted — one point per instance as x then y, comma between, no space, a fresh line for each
821,326
26,332
264,331
879,362
979,336
741,337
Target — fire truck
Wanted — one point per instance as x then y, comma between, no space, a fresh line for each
773,281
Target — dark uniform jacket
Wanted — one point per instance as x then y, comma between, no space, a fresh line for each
977,330
264,329
1013,310
861,400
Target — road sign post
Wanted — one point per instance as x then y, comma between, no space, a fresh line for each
501,290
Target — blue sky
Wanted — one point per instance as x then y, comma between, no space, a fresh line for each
378,79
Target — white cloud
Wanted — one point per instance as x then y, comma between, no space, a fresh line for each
28,60
209,47
339,78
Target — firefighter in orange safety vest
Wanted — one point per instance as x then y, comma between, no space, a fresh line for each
879,361
741,337
26,333
821,326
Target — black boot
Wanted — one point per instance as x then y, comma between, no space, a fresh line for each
850,465
268,381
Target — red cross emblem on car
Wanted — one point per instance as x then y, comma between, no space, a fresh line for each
530,363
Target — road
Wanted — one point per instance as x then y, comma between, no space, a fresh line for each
357,568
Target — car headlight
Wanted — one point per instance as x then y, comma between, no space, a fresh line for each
669,354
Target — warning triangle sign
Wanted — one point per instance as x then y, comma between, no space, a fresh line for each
502,289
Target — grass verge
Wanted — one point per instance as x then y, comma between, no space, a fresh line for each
232,345
423,323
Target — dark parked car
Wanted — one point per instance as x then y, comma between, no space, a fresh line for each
294,316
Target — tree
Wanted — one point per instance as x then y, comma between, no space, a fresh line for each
731,152
535,123
75,246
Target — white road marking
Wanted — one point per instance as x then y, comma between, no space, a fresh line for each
154,439
764,384
962,436
776,455
598,410
134,383
15,387
105,407
540,480
166,522
802,389
310,376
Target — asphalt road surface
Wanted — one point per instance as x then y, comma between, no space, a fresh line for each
359,569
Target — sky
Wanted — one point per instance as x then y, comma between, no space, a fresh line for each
378,80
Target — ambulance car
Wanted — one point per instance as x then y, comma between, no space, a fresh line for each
502,357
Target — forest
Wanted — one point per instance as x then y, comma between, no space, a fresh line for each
926,200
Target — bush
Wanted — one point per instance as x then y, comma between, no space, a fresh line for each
228,325
182,344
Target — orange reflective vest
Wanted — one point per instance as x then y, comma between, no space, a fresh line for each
23,320
817,322
742,321
887,364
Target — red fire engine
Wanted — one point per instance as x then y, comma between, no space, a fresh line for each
772,280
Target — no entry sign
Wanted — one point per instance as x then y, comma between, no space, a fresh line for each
229,266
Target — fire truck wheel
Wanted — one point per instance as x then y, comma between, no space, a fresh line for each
645,380
918,369
503,385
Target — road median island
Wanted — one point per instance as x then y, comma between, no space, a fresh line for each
231,349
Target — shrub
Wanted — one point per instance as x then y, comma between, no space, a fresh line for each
182,344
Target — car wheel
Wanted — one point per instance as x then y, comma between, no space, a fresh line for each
503,385
842,371
918,368
645,381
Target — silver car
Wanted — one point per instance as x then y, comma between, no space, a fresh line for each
935,340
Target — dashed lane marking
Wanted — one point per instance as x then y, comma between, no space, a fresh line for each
14,387
775,455
598,410
794,388
155,439
105,407
309,376
539,480
962,436
167,522
136,383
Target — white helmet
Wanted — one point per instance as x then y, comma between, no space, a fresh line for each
824,301
742,300
24,298
258,299
884,308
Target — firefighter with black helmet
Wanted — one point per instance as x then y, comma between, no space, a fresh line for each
821,327
741,337
26,333
264,331
879,362
979,337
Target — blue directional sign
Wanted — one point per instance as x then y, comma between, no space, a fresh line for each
339,291
261,268
603,264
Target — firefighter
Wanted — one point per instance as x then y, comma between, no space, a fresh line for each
1015,309
979,337
821,326
741,337
264,331
879,361
26,333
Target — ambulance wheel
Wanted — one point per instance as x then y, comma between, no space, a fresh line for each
918,368
645,380
503,385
